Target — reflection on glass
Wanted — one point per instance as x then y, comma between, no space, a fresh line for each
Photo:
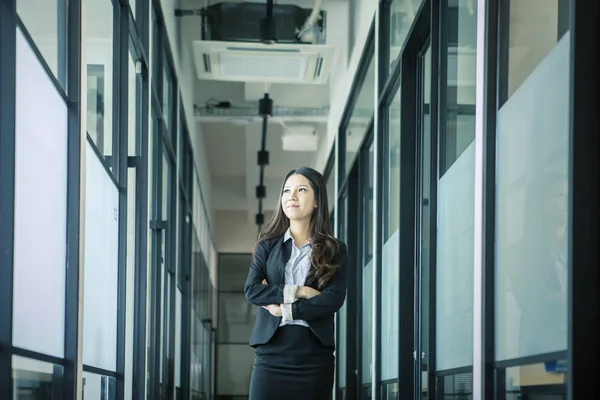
36,380
455,199
532,184
402,16
390,266
459,386
99,59
50,36
544,381
361,115
533,29
389,391
168,102
99,387
367,269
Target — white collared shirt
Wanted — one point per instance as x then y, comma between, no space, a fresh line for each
296,271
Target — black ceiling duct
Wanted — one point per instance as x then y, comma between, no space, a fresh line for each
250,22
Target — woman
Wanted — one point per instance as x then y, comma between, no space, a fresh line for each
298,278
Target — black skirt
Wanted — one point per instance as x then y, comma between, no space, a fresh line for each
293,365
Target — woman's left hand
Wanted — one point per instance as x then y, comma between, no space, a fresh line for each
274,309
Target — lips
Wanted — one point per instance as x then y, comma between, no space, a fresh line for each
293,205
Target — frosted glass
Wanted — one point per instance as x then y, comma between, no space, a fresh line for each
130,295
341,347
40,208
101,266
390,280
532,211
455,236
367,321
178,338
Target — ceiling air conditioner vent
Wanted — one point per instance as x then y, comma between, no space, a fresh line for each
257,62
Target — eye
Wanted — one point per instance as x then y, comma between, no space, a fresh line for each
286,190
302,189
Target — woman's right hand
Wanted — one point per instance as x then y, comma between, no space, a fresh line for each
306,292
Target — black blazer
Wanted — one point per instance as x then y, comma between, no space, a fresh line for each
269,262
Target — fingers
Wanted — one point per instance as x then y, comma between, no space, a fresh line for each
264,282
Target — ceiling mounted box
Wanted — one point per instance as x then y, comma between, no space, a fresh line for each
257,62
240,22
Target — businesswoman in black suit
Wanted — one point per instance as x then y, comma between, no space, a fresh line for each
298,279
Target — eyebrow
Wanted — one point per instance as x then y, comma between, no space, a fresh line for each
288,186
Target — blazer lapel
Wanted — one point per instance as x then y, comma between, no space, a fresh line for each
280,254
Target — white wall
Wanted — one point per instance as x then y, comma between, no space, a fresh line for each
235,231
364,12
177,28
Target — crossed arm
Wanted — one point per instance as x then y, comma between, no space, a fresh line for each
296,302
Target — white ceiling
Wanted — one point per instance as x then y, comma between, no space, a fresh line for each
232,148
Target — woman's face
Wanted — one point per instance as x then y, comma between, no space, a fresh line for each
298,198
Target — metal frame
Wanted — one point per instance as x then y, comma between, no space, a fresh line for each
8,51
584,276
487,23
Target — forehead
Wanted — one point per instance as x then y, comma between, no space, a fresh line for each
297,180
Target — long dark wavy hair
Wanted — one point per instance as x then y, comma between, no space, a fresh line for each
324,245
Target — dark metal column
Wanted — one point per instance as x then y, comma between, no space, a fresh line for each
8,26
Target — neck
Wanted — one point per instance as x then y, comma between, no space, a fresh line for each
300,231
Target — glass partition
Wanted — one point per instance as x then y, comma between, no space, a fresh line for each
455,204
532,206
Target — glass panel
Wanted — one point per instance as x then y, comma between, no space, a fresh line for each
168,103
532,30
101,266
331,189
162,339
342,315
99,387
460,386
361,115
132,5
390,254
424,209
178,305
40,226
48,33
456,196
135,82
233,369
36,380
402,16
544,381
166,186
367,270
389,391
99,56
152,134
532,184
233,271
131,276
236,318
